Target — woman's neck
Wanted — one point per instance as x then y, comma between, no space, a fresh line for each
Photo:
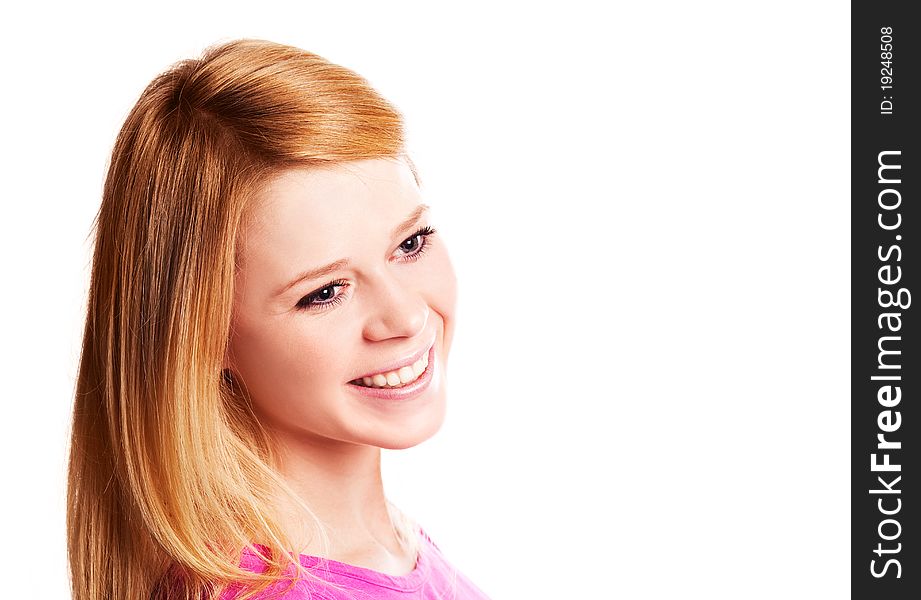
342,485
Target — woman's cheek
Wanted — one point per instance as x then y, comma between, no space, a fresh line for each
305,357
274,361
441,286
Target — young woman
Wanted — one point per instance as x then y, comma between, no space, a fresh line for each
270,306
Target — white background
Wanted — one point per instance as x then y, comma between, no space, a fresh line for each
648,210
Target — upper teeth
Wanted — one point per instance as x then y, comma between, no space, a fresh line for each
401,376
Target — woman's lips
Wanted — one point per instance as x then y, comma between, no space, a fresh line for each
406,361
404,392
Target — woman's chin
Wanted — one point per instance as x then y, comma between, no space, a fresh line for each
414,431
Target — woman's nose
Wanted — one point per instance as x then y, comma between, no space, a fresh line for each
395,310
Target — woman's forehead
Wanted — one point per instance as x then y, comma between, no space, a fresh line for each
337,193
314,212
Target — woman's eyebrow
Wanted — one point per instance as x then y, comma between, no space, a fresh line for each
344,262
314,274
410,220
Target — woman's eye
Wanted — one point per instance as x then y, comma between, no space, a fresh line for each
413,246
323,297
325,294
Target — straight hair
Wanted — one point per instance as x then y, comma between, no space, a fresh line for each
171,476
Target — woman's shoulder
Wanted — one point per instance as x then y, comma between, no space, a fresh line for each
446,580
434,576
427,539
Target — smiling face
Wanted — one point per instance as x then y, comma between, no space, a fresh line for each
386,300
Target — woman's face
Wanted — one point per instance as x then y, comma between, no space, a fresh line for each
382,295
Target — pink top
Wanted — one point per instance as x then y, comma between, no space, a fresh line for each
433,578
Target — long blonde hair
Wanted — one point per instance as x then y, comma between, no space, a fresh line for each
170,473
